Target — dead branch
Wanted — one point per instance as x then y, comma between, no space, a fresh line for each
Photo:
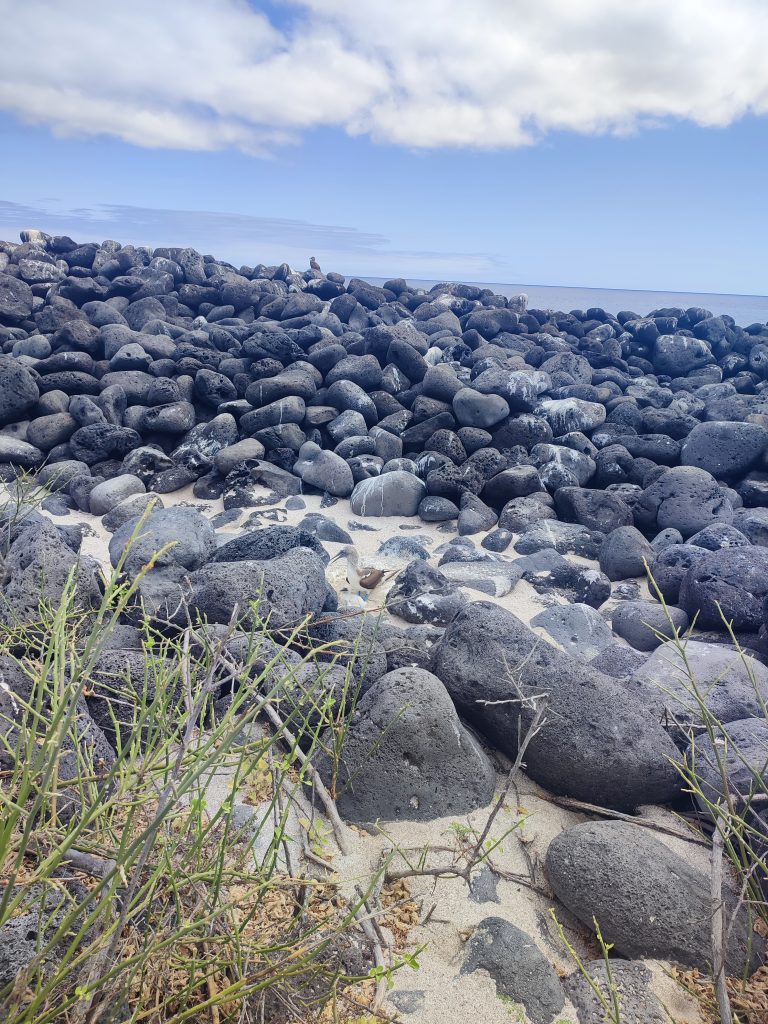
571,804
718,927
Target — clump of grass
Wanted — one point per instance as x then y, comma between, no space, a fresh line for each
146,903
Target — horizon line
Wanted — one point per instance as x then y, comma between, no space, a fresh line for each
574,287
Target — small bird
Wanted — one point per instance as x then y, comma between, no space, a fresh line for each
313,264
361,577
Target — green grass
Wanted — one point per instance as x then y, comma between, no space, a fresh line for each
147,905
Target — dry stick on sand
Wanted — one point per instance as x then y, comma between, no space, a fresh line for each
569,803
718,928
371,932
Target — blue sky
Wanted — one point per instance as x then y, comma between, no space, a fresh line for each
599,181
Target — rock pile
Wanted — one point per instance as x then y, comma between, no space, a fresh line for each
127,371
639,442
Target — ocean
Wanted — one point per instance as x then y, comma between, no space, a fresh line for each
745,309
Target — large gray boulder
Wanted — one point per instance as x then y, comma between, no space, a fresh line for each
684,498
730,584
645,624
187,536
35,923
624,553
565,538
407,756
597,510
473,409
85,744
271,542
19,453
740,751
753,523
578,628
422,594
732,685
521,971
37,569
109,493
324,469
724,449
18,391
280,591
120,682
648,900
677,355
392,494
598,743
567,414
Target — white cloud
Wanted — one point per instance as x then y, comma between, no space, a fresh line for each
209,74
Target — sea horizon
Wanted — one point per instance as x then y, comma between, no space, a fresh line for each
746,309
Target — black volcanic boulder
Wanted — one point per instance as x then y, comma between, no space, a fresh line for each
670,567
174,537
37,568
645,625
517,482
676,354
578,628
565,538
741,750
100,441
254,483
724,449
630,978
731,583
422,594
406,755
19,453
280,592
753,523
624,553
520,389
16,298
521,513
549,572
717,536
567,414
648,900
597,510
598,742
18,391
261,545
685,498
732,685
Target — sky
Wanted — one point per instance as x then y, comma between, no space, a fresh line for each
592,143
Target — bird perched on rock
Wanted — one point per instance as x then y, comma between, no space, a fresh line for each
361,579
313,264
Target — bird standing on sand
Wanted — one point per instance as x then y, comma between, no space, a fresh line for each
361,578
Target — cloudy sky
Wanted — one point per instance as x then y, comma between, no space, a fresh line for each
576,142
